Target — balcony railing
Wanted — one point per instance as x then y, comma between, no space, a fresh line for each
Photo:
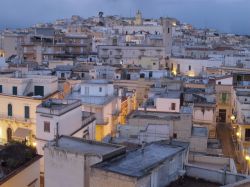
18,119
104,56
118,56
87,118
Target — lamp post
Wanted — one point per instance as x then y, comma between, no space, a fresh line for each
233,118
247,157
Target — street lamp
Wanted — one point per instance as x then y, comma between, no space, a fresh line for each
247,157
238,134
233,117
34,144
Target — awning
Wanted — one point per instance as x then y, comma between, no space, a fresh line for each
21,133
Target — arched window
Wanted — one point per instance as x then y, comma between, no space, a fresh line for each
9,134
10,110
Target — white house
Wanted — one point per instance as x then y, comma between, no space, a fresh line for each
62,117
192,67
68,160
97,96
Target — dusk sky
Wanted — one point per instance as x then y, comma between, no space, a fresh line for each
225,15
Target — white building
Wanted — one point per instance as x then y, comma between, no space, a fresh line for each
97,96
192,67
113,54
157,164
162,100
19,96
68,160
97,88
62,117
102,72
132,29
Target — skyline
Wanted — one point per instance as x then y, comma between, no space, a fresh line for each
224,15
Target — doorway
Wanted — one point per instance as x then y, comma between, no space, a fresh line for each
222,115
9,134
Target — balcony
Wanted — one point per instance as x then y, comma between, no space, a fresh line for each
104,56
53,53
17,119
87,118
118,56
29,51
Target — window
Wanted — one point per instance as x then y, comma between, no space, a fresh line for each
189,68
168,30
86,90
9,134
39,90
100,89
26,112
247,135
9,110
224,98
175,135
178,68
14,90
1,89
150,74
219,83
172,106
46,126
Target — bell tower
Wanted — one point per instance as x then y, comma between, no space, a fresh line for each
167,36
138,18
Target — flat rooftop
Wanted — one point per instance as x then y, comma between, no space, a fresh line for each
142,161
81,146
91,100
154,115
57,106
141,114
164,93
98,81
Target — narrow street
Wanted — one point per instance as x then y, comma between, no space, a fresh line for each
224,133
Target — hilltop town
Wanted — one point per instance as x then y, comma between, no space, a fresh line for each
111,101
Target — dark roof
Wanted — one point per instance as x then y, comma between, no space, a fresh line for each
142,161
